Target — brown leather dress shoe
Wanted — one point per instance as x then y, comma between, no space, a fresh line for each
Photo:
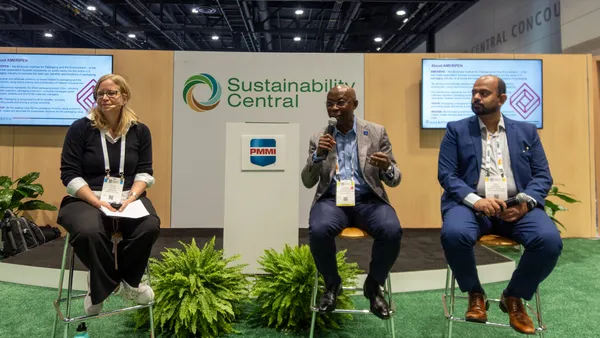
519,320
478,305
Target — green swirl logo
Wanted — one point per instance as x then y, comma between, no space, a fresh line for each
188,92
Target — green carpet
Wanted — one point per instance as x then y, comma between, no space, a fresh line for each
570,304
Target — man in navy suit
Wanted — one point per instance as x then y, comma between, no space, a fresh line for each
484,160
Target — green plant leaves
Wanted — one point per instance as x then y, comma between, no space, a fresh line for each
283,293
5,198
198,291
552,208
37,205
11,198
29,178
5,182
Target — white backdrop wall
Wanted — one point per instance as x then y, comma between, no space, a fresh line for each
503,26
255,87
580,26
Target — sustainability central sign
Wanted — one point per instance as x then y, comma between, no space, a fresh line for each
267,93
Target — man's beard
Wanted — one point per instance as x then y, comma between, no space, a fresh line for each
481,110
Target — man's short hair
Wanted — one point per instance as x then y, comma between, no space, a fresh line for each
501,86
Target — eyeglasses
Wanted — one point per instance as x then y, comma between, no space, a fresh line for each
340,103
110,93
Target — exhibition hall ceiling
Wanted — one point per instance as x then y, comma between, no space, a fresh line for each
227,25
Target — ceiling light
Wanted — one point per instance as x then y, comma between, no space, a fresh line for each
131,35
204,10
299,12
401,12
91,8
378,48
215,37
297,38
48,35
405,20
378,39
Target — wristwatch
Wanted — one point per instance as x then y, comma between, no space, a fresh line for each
132,193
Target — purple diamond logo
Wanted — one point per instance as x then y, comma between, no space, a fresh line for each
85,97
525,101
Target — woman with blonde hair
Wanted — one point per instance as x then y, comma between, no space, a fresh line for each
106,161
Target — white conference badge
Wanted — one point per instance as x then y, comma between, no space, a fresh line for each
112,188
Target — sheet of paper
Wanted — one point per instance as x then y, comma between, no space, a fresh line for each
134,210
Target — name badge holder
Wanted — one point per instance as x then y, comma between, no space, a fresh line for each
345,189
496,186
112,189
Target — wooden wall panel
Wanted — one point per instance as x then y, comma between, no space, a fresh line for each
150,76
6,137
38,149
568,137
595,96
392,99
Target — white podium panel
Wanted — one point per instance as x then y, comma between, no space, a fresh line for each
261,189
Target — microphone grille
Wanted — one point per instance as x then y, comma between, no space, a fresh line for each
332,121
521,197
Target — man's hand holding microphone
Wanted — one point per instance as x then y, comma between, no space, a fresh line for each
509,211
326,141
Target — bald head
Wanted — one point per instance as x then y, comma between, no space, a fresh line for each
488,95
492,81
343,90
341,102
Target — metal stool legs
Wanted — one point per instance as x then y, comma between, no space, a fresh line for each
449,296
387,292
66,318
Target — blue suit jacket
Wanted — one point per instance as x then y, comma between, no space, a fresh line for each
459,163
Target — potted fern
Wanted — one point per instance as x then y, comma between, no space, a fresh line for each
20,195
552,208
197,292
283,293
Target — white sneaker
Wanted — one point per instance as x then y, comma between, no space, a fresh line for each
89,308
142,295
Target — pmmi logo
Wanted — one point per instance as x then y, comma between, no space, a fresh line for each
263,151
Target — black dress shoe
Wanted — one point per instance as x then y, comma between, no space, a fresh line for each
379,306
328,300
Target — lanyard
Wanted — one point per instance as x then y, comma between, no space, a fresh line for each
106,160
488,153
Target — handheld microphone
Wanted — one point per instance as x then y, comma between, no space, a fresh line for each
511,202
332,122
520,198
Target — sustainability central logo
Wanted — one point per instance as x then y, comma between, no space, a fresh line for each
188,92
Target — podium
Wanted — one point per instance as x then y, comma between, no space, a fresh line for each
261,190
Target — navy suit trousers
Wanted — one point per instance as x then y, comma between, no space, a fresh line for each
372,215
535,231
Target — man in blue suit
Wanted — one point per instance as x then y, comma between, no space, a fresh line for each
485,160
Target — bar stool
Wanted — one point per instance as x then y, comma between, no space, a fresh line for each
449,292
354,233
66,318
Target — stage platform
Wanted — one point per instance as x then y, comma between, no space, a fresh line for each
421,265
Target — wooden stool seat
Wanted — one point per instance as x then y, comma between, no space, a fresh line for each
496,240
352,232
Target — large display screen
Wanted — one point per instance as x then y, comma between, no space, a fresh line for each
48,89
447,84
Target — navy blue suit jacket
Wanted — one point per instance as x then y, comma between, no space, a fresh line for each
459,163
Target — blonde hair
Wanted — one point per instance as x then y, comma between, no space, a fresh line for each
128,116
